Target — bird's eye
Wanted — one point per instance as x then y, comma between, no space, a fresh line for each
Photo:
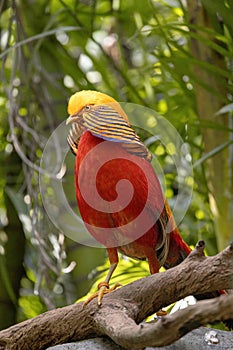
87,108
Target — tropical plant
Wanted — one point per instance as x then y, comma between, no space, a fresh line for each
172,57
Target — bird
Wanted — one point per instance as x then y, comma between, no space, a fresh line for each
118,192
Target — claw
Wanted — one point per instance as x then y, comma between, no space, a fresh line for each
161,312
103,288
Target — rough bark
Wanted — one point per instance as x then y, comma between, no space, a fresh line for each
123,310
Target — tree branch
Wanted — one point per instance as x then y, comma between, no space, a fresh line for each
167,329
122,311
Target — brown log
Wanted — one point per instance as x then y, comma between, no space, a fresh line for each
123,310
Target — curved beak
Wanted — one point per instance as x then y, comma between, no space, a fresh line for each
73,118
69,120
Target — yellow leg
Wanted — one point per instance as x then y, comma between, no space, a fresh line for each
103,287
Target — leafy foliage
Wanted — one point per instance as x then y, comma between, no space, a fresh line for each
136,51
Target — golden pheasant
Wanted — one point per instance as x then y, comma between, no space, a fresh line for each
118,192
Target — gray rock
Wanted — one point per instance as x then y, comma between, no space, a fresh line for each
89,344
201,339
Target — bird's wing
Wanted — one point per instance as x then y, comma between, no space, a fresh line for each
107,123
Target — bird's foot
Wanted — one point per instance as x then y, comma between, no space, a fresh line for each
161,312
103,288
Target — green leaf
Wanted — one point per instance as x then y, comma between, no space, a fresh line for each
226,109
37,37
21,209
210,124
212,153
4,273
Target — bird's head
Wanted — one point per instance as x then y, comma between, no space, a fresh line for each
84,101
86,112
103,117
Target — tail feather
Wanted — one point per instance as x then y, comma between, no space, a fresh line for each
178,250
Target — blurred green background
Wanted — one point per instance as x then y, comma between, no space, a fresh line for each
173,56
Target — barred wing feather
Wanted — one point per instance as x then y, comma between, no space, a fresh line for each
107,123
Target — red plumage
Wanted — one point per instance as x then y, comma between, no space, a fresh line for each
138,171
130,216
